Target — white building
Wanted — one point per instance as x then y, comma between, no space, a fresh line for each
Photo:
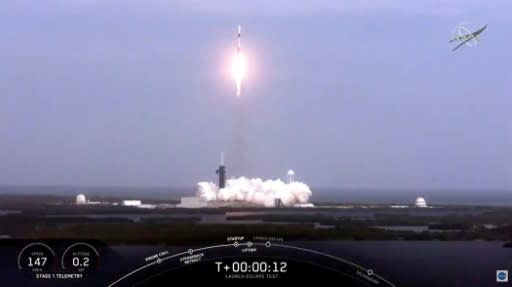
399,206
192,202
81,199
304,205
131,203
420,202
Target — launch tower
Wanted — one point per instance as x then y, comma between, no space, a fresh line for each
221,171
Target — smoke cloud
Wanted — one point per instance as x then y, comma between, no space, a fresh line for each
255,191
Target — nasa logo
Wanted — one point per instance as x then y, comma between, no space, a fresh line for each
501,276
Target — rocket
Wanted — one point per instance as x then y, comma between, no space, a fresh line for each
239,34
238,64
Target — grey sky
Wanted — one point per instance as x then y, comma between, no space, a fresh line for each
346,93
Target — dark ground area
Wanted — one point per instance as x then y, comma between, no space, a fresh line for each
38,216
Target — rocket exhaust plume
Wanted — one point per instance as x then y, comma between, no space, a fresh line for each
238,65
241,117
256,191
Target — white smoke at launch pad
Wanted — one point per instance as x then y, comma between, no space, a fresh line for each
255,191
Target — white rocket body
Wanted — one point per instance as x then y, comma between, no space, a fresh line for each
239,35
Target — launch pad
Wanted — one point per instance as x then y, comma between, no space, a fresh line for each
249,192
